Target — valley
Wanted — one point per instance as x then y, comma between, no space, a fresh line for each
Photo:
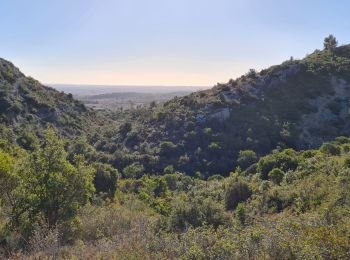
255,168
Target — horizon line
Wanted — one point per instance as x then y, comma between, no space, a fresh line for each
124,85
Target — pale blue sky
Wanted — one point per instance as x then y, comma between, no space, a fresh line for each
162,42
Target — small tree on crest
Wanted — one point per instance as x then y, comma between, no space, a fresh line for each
330,43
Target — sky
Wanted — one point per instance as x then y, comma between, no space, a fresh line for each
162,42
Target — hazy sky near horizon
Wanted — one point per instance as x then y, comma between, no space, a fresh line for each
162,42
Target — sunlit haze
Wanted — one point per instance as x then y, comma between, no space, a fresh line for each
162,42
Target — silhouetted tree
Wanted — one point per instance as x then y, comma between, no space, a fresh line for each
330,43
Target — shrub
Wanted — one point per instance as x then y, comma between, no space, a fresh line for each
330,149
196,213
285,160
168,149
169,169
236,192
276,175
171,181
215,177
135,170
246,158
240,212
105,179
342,140
346,148
347,162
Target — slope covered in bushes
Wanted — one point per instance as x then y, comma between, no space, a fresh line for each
286,205
27,107
298,104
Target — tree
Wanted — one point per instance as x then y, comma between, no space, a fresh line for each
49,188
330,43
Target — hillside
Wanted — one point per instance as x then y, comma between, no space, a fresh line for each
298,104
27,107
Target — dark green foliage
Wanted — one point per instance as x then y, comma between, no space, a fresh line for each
169,169
168,149
196,213
347,162
342,140
285,160
246,158
134,170
171,181
276,175
125,128
215,177
235,193
240,212
105,179
335,106
330,149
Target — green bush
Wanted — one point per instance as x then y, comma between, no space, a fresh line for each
105,179
135,170
196,213
235,193
246,158
285,160
276,175
330,149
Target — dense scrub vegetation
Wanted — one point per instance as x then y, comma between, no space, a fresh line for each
286,205
258,168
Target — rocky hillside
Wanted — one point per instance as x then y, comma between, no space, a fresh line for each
27,107
297,104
